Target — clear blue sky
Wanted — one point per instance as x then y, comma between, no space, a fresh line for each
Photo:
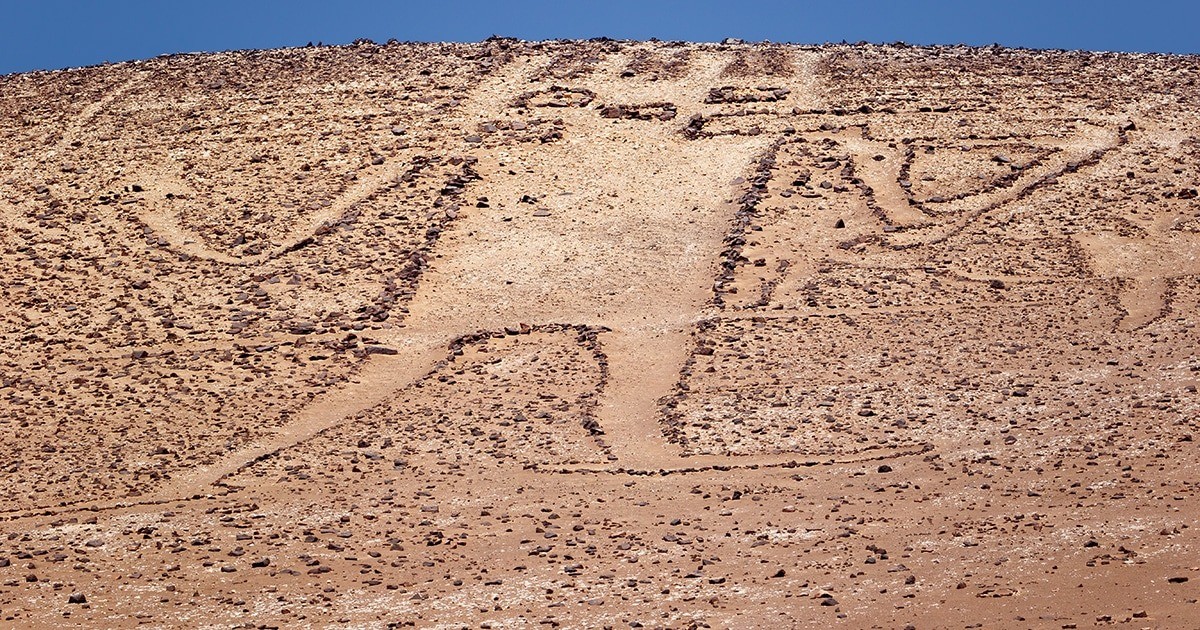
43,34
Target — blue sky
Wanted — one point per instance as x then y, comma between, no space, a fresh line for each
44,34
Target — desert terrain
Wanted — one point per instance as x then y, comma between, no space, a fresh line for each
601,334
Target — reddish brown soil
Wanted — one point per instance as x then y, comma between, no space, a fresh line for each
601,334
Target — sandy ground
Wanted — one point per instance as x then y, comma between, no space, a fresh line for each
601,334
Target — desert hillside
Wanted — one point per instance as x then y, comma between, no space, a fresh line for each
601,334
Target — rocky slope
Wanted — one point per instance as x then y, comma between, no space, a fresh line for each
601,334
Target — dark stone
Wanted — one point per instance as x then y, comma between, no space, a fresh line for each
302,328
